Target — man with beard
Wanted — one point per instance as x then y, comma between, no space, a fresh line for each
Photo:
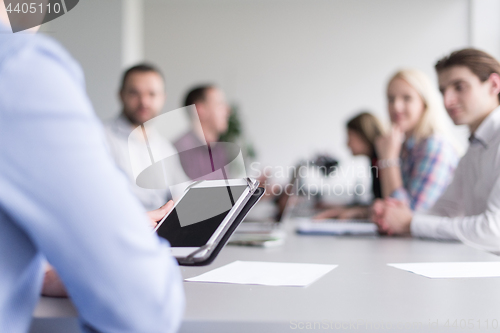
143,96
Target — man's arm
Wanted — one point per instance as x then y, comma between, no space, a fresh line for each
395,217
52,284
480,231
67,195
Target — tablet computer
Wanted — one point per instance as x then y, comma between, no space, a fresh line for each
203,215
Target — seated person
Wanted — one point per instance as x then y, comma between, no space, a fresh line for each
469,210
142,95
213,113
62,199
416,158
362,131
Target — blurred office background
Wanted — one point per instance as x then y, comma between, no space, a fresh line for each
296,69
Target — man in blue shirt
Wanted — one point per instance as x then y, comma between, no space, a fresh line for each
62,198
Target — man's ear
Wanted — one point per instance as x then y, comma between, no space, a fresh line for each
200,109
495,83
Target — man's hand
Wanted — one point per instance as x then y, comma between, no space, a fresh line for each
377,210
156,215
392,216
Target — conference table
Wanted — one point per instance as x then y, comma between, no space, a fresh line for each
361,294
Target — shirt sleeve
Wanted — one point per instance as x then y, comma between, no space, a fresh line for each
480,231
73,203
432,171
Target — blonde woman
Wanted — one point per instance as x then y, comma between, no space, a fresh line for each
416,158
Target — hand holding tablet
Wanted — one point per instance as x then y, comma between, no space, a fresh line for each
200,221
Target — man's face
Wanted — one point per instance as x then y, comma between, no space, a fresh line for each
216,110
143,96
466,98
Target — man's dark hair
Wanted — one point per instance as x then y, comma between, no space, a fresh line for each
140,68
197,94
479,62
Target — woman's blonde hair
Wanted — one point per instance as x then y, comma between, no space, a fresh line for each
434,114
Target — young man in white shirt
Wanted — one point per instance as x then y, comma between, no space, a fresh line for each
469,210
142,95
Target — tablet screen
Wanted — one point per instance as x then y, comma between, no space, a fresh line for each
198,215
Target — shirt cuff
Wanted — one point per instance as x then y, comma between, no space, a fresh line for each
431,226
400,194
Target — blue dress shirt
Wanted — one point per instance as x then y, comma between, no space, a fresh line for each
62,198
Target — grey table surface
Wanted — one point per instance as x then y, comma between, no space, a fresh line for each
362,293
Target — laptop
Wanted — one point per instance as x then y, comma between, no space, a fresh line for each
267,233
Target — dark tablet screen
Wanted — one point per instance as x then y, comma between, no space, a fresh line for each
198,215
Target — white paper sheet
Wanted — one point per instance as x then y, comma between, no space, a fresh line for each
336,227
444,270
265,273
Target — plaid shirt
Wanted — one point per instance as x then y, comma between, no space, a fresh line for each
427,168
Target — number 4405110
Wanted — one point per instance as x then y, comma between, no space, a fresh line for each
33,8
472,324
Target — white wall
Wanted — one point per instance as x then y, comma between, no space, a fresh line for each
299,68
485,26
92,33
132,32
